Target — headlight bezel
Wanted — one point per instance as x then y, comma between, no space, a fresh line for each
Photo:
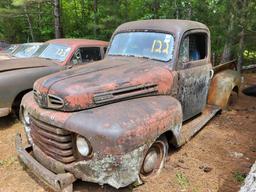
83,147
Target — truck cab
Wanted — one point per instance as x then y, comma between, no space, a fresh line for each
111,122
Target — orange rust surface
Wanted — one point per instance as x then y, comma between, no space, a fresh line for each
77,87
221,87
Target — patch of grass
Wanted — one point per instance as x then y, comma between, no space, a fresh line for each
7,162
239,177
182,180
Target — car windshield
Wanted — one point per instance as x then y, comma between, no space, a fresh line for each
26,50
11,48
56,52
151,45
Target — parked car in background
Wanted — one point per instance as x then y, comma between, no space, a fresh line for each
24,50
18,75
3,45
111,122
4,52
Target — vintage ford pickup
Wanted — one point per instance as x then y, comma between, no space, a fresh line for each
111,122
17,76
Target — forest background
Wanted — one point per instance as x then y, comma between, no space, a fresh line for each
232,22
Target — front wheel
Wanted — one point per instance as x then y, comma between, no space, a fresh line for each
154,159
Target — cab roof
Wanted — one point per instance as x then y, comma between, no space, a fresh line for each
173,26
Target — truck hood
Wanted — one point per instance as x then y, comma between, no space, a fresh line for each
110,80
24,63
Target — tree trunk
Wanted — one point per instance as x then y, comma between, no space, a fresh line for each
29,24
95,10
77,23
126,10
189,11
177,13
241,40
57,22
83,16
241,51
227,52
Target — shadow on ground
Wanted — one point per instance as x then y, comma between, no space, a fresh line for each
8,121
88,187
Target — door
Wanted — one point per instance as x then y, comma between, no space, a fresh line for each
194,70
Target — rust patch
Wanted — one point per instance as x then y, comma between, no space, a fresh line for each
221,87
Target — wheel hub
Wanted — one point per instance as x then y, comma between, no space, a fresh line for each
150,162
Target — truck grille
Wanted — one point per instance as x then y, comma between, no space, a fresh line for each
53,141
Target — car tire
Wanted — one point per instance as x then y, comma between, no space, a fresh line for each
154,159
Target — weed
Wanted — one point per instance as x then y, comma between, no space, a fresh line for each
239,177
182,180
7,162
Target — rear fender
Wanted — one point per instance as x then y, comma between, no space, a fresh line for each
222,85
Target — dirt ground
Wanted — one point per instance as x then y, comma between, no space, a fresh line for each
216,159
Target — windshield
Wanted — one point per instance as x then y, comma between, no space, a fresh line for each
11,48
26,50
151,45
56,52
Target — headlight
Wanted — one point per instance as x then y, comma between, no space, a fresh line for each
82,146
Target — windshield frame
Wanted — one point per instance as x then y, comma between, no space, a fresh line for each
149,31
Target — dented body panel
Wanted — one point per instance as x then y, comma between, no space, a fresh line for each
121,106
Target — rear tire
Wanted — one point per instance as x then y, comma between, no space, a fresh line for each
154,159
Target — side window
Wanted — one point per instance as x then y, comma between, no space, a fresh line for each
193,47
90,54
76,58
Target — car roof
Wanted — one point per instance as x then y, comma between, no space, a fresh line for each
32,43
173,26
79,42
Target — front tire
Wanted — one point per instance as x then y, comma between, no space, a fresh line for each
154,159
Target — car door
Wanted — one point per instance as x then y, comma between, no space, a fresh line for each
194,71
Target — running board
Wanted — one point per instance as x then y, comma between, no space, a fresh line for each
190,128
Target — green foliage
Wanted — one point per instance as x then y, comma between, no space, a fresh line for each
239,177
85,19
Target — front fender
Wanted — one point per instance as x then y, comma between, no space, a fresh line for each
221,87
121,127
116,128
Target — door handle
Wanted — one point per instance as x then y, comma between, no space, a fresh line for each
211,74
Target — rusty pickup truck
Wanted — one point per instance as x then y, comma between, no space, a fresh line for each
112,122
18,75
